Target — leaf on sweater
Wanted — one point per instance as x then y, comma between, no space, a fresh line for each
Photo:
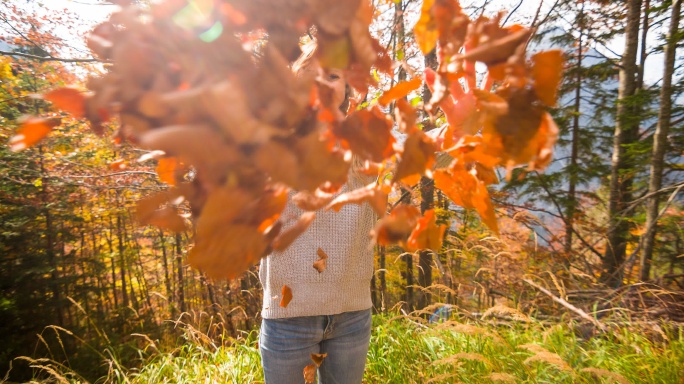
321,263
285,296
427,234
289,235
397,226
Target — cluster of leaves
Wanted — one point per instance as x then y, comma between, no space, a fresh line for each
234,131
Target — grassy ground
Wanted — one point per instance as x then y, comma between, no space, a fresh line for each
403,351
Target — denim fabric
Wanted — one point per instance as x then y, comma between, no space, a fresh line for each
286,346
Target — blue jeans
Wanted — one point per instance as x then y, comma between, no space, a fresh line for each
286,346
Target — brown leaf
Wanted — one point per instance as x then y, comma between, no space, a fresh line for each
308,201
321,263
417,156
227,251
309,374
67,99
547,71
285,296
492,44
289,235
427,234
318,162
159,209
223,207
32,131
368,133
333,16
317,358
400,90
373,193
397,226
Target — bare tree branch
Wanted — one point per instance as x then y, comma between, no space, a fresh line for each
51,58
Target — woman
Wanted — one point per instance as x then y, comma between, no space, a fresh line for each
331,311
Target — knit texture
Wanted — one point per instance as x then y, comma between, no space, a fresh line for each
345,283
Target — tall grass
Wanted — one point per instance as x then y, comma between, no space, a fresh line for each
404,350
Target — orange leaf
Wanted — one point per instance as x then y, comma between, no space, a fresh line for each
67,99
400,90
427,234
166,169
397,226
285,296
289,235
321,263
309,374
118,165
308,201
227,251
464,189
32,130
426,28
158,209
417,156
317,358
547,70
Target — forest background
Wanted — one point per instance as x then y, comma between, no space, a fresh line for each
601,229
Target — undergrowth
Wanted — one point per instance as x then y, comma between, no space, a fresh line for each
404,350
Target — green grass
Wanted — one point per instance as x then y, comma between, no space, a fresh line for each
403,351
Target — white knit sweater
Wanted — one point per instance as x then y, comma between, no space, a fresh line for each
345,283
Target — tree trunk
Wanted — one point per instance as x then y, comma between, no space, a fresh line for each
660,143
179,265
50,241
574,152
382,276
626,130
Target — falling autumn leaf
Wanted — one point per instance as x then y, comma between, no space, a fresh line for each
32,130
466,190
547,71
397,226
118,165
317,358
289,235
321,263
400,90
68,99
309,373
427,234
166,169
285,296
368,133
417,156
372,193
